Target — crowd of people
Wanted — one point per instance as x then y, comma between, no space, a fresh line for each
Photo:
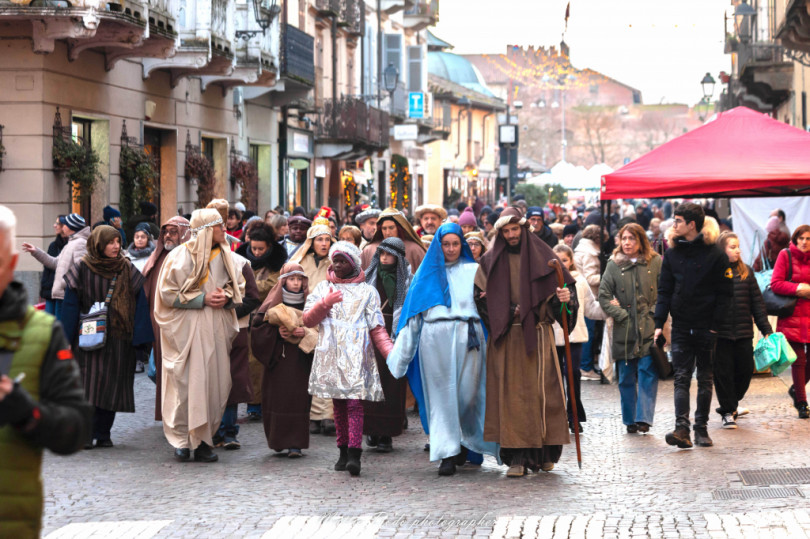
339,330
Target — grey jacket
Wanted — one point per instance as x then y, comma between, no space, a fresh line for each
635,286
71,254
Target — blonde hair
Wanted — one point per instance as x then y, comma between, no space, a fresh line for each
563,248
722,241
710,230
354,232
8,225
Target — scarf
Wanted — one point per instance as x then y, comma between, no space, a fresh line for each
429,286
278,293
538,280
136,253
200,246
292,298
273,259
395,278
122,304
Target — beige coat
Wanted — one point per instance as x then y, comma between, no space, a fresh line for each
586,257
73,252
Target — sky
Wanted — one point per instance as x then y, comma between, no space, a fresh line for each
661,47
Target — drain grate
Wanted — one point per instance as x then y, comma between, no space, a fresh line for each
756,493
775,476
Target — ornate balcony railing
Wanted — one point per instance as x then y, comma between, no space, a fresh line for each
351,120
330,8
353,16
767,53
424,8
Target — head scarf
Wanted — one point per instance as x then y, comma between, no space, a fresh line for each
406,231
479,237
199,247
352,254
319,228
122,304
401,275
429,286
185,233
537,279
276,294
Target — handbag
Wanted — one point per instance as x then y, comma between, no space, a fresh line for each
93,324
763,276
778,305
660,359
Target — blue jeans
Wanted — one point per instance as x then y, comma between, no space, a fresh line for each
254,408
638,388
228,428
57,309
586,361
50,306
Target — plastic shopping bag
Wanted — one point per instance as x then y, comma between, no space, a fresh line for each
766,352
786,355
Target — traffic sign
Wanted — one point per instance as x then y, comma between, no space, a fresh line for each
416,105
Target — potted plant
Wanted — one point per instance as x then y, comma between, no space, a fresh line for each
138,178
200,169
79,164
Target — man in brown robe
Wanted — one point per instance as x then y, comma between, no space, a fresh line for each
174,232
517,295
393,223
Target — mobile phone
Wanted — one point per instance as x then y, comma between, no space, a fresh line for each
5,363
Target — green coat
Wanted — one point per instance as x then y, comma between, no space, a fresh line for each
635,286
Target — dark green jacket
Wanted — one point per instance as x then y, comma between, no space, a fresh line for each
635,286
50,410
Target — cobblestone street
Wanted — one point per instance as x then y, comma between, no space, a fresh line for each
630,485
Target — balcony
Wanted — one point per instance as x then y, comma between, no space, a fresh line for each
393,6
297,56
353,17
765,75
349,128
794,30
425,13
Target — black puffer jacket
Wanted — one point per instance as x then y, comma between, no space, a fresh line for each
745,303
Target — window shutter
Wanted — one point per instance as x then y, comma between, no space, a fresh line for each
393,53
415,69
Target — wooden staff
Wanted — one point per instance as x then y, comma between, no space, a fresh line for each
554,263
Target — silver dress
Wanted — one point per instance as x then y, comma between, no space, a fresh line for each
344,366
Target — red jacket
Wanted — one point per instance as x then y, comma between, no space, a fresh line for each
797,326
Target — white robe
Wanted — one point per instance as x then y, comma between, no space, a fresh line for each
196,345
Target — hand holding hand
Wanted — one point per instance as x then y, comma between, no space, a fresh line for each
28,248
299,332
216,299
333,297
564,295
284,332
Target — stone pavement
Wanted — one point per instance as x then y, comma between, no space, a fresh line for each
629,486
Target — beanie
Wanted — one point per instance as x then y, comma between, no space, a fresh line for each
110,213
570,229
74,221
147,208
144,227
467,218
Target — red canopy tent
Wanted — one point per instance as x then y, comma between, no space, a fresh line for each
741,153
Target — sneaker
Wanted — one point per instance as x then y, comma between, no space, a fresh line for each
218,440
728,421
680,437
231,443
702,437
742,411
590,375
139,367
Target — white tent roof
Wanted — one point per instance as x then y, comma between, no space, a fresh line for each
572,176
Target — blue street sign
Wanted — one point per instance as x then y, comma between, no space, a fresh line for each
416,105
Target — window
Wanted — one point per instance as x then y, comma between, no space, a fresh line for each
207,149
393,52
80,129
415,69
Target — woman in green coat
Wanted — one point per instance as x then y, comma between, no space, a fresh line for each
627,293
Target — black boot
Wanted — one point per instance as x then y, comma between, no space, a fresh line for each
702,437
804,412
340,465
182,454
203,453
328,427
385,444
461,458
353,465
680,437
372,441
448,466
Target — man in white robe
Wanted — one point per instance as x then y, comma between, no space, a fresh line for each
198,288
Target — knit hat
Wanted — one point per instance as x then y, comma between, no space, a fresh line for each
147,208
467,218
594,218
570,229
74,221
144,227
110,213
239,206
349,250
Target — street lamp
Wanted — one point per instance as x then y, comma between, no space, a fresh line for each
742,20
264,23
707,84
391,78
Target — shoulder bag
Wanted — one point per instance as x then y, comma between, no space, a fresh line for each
775,304
93,324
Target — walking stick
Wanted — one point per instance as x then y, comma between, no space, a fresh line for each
554,263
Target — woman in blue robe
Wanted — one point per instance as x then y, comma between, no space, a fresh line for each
440,326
